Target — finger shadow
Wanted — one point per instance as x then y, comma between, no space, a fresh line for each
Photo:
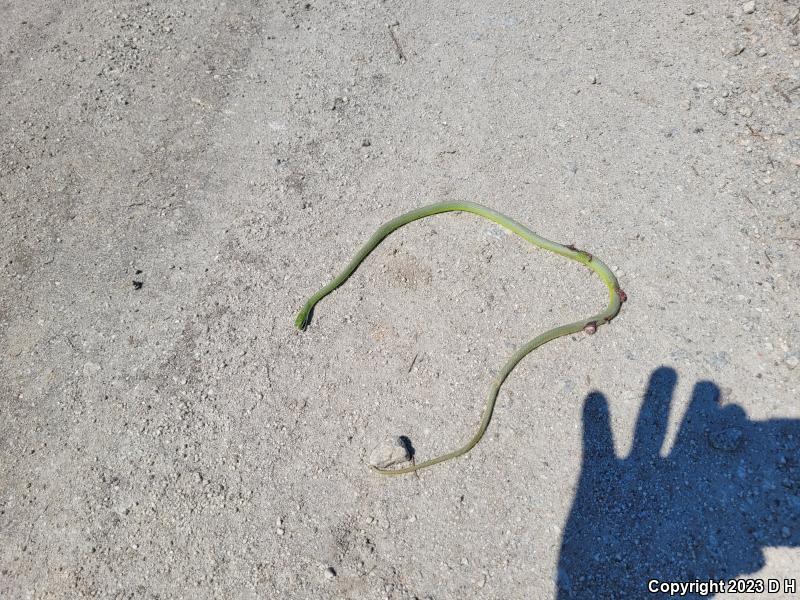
728,488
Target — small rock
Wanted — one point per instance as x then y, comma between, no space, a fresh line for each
735,48
749,8
761,51
365,143
720,106
745,111
718,360
389,454
792,361
727,440
330,573
593,79
91,368
688,11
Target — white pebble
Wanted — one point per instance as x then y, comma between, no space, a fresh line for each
389,454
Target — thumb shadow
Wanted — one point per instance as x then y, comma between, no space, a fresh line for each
728,488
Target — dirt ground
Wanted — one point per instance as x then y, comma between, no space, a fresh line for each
176,178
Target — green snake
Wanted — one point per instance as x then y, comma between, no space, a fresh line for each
589,325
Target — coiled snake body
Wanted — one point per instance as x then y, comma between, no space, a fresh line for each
589,325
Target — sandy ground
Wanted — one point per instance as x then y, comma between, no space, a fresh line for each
177,177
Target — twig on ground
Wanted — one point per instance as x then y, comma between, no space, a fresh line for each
397,45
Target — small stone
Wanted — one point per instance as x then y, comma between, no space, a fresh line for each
736,48
726,440
91,368
792,361
719,105
330,573
389,454
761,51
280,531
745,111
593,79
718,360
688,11
749,8
366,143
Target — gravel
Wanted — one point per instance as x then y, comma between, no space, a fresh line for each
179,438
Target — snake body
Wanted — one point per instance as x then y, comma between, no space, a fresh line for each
589,325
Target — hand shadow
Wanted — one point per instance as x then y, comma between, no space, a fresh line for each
728,488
